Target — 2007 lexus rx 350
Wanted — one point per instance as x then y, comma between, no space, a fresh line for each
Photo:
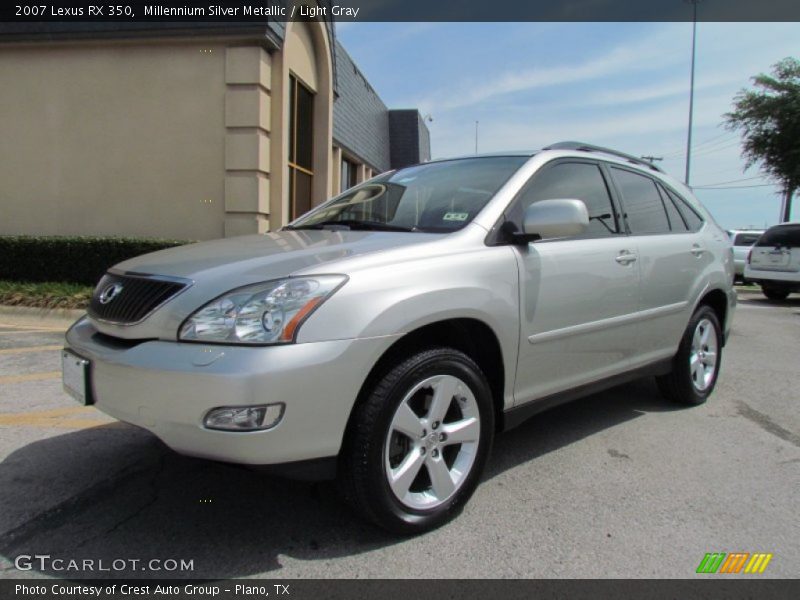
388,334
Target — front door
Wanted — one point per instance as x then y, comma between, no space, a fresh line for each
578,296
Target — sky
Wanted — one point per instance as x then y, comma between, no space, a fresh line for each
620,85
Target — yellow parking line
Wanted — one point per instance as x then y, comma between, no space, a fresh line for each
25,349
30,377
24,331
30,327
74,417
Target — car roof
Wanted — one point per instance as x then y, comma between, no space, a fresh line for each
570,149
522,153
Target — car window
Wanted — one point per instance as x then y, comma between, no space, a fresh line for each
438,197
574,181
693,220
745,239
644,209
786,236
676,220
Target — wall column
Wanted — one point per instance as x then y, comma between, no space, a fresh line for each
248,72
336,172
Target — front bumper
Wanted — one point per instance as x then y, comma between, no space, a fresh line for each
167,387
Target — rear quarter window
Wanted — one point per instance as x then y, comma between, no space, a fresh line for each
693,220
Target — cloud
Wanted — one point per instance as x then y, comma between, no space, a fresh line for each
643,55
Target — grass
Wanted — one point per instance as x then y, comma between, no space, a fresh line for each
44,295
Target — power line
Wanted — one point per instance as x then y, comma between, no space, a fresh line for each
706,151
677,153
720,145
730,181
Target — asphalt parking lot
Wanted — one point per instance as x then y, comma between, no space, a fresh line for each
620,484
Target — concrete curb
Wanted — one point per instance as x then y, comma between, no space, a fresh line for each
44,317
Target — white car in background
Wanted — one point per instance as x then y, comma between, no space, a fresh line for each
743,240
774,261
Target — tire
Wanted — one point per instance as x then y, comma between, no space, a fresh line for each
775,293
693,376
375,450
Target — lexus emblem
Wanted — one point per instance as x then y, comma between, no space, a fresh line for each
111,292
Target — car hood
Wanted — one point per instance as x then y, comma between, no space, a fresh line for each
255,258
219,266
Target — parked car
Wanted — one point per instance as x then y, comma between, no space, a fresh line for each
774,261
742,239
388,334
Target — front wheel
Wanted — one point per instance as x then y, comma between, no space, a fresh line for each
695,367
418,442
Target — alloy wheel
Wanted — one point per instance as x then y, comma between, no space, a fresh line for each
703,356
432,442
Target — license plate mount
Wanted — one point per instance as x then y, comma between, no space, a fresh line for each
75,376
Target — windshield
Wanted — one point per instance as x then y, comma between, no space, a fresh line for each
437,197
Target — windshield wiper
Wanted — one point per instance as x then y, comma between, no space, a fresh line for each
352,225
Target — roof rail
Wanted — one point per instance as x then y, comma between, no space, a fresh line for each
591,148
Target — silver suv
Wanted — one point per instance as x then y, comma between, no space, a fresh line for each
388,334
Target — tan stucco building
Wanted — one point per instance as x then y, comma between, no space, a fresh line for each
192,133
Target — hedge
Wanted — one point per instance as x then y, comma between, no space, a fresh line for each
70,259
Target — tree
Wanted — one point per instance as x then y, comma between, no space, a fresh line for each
768,118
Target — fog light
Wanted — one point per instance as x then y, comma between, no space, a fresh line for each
244,418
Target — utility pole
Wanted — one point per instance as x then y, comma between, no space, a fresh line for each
476,137
694,4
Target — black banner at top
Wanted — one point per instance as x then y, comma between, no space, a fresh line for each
259,11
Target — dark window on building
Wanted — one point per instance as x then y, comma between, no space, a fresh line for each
676,220
644,209
580,181
301,149
693,220
348,174
786,236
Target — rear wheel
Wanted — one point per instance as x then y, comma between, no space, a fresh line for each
696,365
775,293
418,443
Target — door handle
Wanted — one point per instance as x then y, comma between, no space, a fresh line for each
697,250
625,257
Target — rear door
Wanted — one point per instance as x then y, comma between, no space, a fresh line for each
672,257
778,250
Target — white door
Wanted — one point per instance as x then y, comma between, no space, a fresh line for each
577,295
672,257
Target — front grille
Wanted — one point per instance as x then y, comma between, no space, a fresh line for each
128,299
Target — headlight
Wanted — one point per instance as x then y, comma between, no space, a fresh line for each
264,313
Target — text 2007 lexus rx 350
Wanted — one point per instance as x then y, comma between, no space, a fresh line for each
388,334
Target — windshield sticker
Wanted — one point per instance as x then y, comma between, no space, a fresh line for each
455,216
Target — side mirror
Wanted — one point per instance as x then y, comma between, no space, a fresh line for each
555,219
